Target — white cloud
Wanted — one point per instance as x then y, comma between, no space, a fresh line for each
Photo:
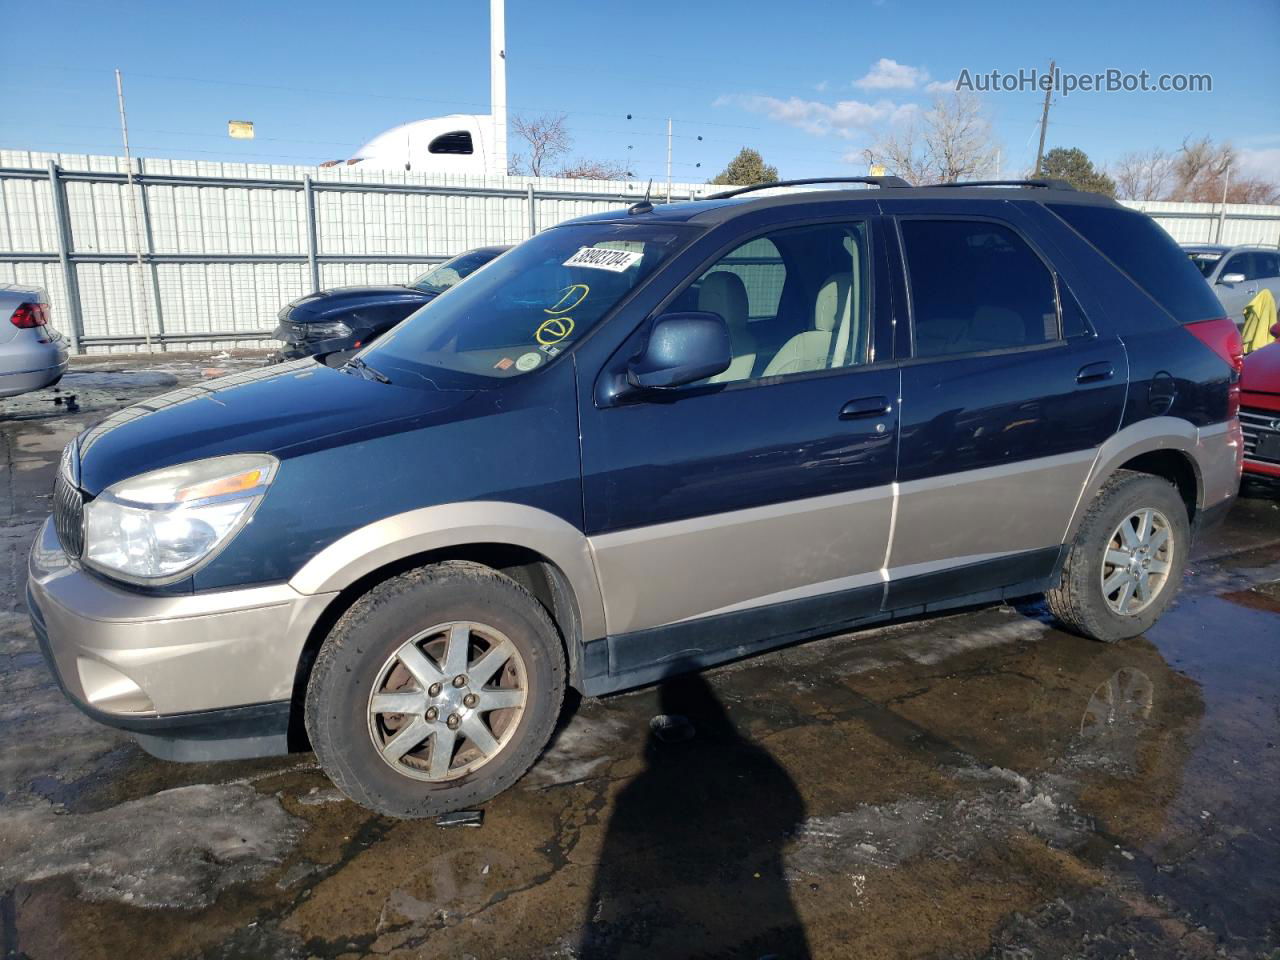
821,86
1261,163
886,74
940,86
843,118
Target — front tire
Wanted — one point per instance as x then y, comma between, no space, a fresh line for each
436,691
1127,560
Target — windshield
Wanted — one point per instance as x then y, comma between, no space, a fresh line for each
1205,261
443,276
528,307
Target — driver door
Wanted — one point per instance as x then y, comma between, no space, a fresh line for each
752,508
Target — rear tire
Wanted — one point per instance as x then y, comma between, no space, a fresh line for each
1125,565
436,691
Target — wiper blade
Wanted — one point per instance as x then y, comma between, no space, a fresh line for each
366,371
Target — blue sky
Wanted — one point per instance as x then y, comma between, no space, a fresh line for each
808,83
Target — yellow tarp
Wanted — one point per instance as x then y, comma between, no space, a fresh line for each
1259,318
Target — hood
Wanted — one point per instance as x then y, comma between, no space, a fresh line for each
343,300
282,410
1262,371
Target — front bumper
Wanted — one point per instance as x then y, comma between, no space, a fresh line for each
196,677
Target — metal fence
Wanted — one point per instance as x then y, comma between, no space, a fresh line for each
218,248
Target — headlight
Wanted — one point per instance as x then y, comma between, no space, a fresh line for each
326,330
153,528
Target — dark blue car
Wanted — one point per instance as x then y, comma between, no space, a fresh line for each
641,443
333,324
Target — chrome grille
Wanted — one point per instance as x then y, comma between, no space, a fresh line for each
68,516
1257,424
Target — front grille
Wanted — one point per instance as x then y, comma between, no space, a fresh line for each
1257,424
68,516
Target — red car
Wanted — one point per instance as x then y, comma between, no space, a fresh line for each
1260,409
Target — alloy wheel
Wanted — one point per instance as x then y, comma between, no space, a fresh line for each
447,701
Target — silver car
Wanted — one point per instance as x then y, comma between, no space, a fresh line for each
32,353
1237,274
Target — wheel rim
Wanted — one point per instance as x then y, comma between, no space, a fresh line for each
1137,561
447,701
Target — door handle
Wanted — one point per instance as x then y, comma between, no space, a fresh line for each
1094,372
866,407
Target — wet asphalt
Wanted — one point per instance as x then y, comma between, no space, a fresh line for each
974,785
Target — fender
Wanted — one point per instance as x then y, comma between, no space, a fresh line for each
1207,449
455,525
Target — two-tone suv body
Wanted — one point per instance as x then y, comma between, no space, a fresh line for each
641,443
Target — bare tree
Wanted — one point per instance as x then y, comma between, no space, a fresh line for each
548,140
950,141
592,170
1144,175
1202,168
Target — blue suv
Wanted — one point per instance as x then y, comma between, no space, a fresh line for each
640,443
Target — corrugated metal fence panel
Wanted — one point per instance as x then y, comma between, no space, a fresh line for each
118,299
1198,222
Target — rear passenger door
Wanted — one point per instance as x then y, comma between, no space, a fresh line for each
1006,394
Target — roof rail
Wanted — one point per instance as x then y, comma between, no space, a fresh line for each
895,183
1044,183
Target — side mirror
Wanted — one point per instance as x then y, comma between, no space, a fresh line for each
682,348
1230,278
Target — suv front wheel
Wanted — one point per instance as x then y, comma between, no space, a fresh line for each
1127,560
435,691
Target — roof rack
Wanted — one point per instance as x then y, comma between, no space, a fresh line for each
894,183
1043,183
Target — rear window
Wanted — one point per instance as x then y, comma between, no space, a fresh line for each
1147,255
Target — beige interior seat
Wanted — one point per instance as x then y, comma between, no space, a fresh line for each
724,293
811,350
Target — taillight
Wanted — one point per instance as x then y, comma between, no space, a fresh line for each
29,316
1221,336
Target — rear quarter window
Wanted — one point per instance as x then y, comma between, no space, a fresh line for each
1147,255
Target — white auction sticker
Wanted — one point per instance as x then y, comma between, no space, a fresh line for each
528,361
604,258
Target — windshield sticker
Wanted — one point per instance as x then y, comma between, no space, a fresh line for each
528,361
506,363
552,330
571,296
550,351
599,258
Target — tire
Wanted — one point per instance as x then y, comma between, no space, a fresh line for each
1081,601
480,611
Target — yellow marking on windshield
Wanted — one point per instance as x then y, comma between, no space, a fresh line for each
563,305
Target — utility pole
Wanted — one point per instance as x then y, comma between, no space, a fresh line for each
1044,119
133,205
498,86
1222,210
668,159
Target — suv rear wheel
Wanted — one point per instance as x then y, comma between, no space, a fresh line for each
1127,560
435,691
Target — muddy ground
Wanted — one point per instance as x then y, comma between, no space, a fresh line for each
974,785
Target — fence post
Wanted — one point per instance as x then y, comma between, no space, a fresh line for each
69,280
309,202
149,236
533,213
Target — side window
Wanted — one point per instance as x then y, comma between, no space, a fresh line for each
1074,323
1268,265
759,266
457,142
813,286
976,286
